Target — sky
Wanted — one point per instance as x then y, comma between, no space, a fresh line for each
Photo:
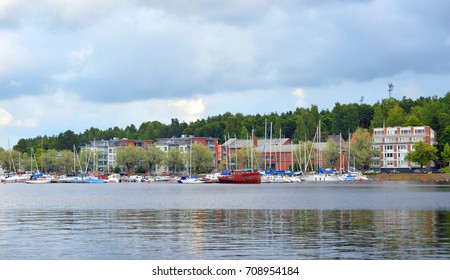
76,64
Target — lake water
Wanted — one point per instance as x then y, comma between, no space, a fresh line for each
371,220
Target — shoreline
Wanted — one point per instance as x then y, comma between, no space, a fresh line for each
428,177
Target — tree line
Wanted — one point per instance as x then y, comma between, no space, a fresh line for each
299,125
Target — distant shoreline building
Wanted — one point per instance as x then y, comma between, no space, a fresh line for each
106,150
184,143
275,154
393,143
280,154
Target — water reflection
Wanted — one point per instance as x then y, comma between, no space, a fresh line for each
224,234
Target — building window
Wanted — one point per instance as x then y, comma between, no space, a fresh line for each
402,147
392,131
405,131
419,131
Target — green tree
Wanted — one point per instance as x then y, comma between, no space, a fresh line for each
365,115
396,116
127,156
66,162
175,161
66,140
345,118
378,117
331,153
446,153
412,120
49,161
11,160
422,154
361,148
301,131
152,157
201,158
244,133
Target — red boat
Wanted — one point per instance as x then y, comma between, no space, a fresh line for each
240,177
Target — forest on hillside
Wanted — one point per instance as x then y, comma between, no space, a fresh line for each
298,125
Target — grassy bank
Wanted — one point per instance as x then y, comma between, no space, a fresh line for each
410,177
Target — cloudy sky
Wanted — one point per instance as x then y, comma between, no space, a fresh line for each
76,64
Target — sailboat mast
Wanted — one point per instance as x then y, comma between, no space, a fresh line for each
235,152
190,158
226,153
265,143
305,154
270,147
320,160
349,155
292,159
253,148
340,153
74,160
279,148
248,153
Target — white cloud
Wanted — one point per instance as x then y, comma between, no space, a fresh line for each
5,117
300,96
192,109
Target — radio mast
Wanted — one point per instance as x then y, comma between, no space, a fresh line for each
391,88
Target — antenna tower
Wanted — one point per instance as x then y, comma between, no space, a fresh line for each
391,88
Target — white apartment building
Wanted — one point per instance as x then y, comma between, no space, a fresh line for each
393,143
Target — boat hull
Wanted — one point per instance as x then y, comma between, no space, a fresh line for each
39,181
240,178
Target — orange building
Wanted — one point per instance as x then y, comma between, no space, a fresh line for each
393,143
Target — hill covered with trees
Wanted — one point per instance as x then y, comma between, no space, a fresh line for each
297,125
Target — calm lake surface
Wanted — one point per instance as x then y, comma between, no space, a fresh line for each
370,220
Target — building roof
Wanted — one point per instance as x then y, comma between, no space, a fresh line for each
240,143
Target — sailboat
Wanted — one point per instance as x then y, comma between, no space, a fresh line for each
323,175
190,179
39,178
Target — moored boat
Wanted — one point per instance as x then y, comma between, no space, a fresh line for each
353,176
240,177
15,178
190,180
39,178
212,178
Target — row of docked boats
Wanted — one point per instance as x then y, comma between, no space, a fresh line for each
233,177
249,177
40,178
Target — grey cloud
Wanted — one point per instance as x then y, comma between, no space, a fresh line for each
170,49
